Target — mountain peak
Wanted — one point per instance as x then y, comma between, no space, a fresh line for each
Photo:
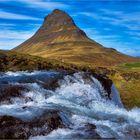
58,18
57,11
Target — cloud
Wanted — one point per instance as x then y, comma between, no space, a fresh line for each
7,24
40,4
9,44
10,39
129,20
97,35
45,5
134,34
90,14
130,51
11,34
8,15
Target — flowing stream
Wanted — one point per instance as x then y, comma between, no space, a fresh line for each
81,100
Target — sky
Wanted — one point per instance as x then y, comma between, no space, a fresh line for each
112,23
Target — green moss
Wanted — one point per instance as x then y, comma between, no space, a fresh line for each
131,65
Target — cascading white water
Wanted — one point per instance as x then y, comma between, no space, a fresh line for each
82,99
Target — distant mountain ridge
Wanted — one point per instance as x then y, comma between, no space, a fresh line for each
59,38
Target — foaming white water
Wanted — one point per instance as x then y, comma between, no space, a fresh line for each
76,89
20,73
57,134
31,105
86,100
83,99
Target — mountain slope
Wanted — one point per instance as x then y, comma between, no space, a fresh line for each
59,38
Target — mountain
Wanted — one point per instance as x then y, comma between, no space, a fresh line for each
60,38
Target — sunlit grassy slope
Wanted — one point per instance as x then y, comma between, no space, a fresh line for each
79,53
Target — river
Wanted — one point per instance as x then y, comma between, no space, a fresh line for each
80,100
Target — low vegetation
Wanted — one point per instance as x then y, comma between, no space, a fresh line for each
12,61
126,77
132,65
135,66
128,85
127,81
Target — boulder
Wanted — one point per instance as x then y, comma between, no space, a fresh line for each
15,128
8,91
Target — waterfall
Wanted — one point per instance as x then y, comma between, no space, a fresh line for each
80,98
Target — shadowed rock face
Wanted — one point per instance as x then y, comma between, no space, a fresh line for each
57,19
14,128
8,91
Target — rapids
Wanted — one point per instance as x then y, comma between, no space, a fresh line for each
80,98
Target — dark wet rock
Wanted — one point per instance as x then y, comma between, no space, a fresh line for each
106,83
101,73
90,131
104,80
14,128
86,131
51,83
8,91
132,130
51,119
90,126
